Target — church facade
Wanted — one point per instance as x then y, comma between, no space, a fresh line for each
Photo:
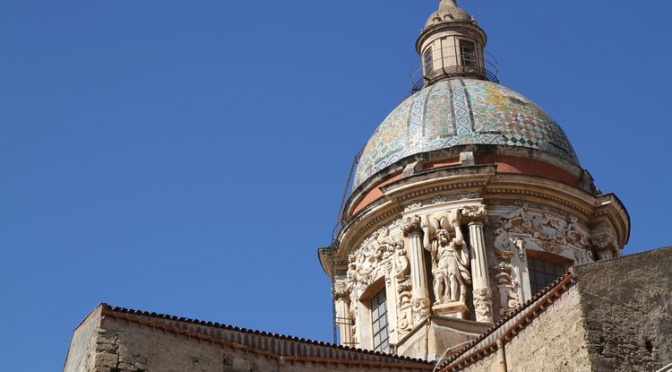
467,200
472,240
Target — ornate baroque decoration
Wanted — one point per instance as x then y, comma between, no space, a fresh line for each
542,231
483,303
420,310
402,270
475,213
379,255
365,262
523,229
507,287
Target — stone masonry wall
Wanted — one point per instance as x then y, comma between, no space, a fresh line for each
123,346
617,318
129,347
554,342
486,364
83,346
627,303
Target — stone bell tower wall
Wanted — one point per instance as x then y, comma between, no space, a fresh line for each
628,311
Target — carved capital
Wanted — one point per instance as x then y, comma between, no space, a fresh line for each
604,242
412,226
474,214
605,246
342,289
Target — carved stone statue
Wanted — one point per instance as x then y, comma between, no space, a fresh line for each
450,262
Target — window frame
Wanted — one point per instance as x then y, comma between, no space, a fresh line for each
379,321
467,48
428,61
558,267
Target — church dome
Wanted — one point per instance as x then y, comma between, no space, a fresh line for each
461,111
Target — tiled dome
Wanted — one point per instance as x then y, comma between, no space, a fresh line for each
457,112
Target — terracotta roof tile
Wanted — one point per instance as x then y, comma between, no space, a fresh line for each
115,309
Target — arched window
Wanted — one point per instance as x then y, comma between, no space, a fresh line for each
428,62
468,53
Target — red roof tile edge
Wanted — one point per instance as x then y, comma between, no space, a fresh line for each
130,315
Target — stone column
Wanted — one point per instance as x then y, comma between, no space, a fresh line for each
474,216
343,320
419,294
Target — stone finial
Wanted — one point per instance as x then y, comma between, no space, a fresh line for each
452,3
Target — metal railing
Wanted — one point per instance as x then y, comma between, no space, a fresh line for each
458,69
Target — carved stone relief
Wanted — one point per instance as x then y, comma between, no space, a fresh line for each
508,248
523,229
380,255
420,309
402,270
543,231
507,287
483,303
363,265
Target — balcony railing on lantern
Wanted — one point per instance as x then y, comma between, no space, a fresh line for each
454,65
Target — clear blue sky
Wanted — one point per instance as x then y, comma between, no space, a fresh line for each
188,157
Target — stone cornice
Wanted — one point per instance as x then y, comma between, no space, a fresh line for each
423,184
432,29
484,183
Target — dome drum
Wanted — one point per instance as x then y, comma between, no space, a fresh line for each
503,159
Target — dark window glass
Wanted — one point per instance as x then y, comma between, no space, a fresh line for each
428,61
379,322
543,273
468,53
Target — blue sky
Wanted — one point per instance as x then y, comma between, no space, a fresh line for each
189,157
